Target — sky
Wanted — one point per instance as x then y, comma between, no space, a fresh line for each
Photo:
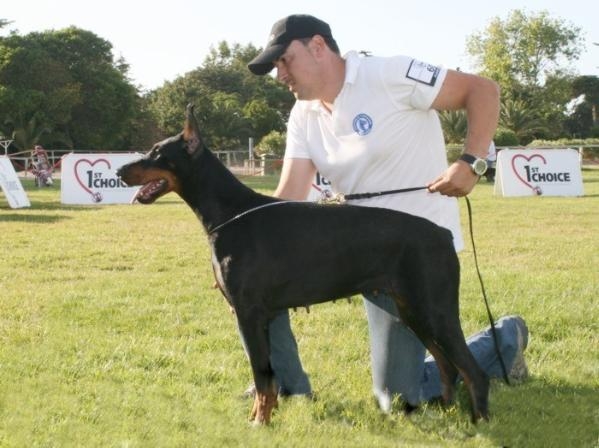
163,40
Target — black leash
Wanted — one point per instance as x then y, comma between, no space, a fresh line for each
482,287
349,197
337,198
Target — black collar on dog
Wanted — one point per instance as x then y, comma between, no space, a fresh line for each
247,212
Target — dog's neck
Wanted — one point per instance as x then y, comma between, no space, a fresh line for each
216,194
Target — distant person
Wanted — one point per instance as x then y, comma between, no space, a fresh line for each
42,168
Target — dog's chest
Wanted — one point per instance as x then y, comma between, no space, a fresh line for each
219,268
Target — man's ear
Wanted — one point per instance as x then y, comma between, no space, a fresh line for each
318,44
191,132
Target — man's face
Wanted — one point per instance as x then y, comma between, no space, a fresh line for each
297,69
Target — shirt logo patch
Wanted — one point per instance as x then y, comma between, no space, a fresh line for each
362,124
423,72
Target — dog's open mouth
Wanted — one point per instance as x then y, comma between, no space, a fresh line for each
151,191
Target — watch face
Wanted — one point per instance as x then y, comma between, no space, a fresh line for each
479,166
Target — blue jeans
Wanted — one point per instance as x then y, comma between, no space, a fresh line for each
399,366
284,358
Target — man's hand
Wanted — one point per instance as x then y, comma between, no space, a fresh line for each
458,181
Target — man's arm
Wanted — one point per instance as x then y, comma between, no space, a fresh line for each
479,97
296,179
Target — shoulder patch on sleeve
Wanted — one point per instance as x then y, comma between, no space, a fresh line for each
423,72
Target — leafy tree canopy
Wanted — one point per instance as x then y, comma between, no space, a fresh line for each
525,49
530,56
232,105
66,83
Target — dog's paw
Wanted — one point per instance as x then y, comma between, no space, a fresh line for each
262,409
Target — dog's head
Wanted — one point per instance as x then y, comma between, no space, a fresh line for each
159,171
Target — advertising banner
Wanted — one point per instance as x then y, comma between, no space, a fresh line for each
535,172
90,179
11,185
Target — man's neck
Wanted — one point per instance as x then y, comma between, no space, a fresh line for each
334,83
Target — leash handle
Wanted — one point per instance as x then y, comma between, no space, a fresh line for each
482,287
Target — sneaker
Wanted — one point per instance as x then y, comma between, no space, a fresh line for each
519,370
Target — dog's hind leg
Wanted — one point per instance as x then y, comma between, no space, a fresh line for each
443,336
447,372
428,301
432,313
454,347
421,326
253,326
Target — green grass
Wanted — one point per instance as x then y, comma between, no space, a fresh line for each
111,334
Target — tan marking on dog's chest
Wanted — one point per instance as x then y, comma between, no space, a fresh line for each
218,273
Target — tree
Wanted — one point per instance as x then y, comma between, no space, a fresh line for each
101,119
230,130
455,125
516,116
231,103
65,81
26,135
263,118
529,56
525,50
579,123
144,130
272,144
589,87
37,91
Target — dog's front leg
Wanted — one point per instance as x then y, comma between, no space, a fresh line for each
254,329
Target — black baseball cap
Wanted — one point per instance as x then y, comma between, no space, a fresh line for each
283,32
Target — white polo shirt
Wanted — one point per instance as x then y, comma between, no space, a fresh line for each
381,135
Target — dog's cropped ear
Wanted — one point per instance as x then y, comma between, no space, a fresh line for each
191,132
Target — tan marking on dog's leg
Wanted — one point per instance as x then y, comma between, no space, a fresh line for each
264,403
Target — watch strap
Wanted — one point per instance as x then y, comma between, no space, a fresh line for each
468,158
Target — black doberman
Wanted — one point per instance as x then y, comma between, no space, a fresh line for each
263,260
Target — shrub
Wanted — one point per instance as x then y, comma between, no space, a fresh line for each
506,137
272,144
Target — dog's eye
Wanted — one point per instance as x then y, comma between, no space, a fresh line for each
152,152
155,154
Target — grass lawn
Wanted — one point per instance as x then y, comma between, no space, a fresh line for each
111,334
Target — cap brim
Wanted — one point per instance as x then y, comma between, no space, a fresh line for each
264,62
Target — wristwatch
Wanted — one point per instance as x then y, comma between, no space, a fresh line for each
479,166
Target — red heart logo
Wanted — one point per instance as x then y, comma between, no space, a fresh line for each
528,159
91,164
